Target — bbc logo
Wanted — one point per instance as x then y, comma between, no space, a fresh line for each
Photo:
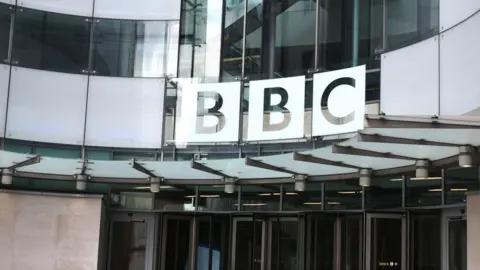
211,112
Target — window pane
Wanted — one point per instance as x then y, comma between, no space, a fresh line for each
458,181
124,48
424,191
5,15
51,41
343,194
384,192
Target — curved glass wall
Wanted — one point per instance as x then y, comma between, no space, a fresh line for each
84,45
50,41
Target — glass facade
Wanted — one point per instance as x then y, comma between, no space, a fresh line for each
219,40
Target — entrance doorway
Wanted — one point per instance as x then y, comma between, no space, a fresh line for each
386,242
266,243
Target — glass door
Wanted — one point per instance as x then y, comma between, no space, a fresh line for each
248,243
176,242
131,242
386,242
265,243
322,242
457,244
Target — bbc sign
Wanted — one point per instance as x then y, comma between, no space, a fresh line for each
211,112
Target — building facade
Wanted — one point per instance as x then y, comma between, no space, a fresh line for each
239,134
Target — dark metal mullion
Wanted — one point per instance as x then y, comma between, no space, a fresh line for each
280,207
278,235
239,198
404,191
229,242
177,235
322,206
197,196
210,238
443,186
252,262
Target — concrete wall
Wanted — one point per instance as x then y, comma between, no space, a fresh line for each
473,232
39,232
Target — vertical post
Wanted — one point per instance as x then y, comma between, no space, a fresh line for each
404,191
197,196
239,198
355,28
443,187
244,40
280,206
322,206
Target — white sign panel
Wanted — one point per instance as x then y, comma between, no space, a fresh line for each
276,109
209,112
344,92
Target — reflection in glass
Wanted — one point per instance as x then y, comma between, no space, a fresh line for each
424,191
284,244
213,198
384,192
177,243
343,194
280,38
125,48
179,198
310,199
51,41
426,241
322,237
457,244
386,243
248,244
128,246
200,39
458,181
352,243
212,248
410,21
5,19
260,198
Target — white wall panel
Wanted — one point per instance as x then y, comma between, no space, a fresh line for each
72,7
460,68
46,106
138,9
4,77
125,112
453,12
409,80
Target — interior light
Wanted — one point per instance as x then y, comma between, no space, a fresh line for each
264,194
334,203
435,190
147,187
396,180
425,178
459,189
350,192
190,196
312,203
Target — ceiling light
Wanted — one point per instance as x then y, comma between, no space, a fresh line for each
81,182
300,182
253,204
312,203
425,178
154,184
422,168
364,177
435,190
465,156
334,203
210,196
459,189
291,193
148,187
229,185
264,194
7,176
396,180
190,196
350,192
